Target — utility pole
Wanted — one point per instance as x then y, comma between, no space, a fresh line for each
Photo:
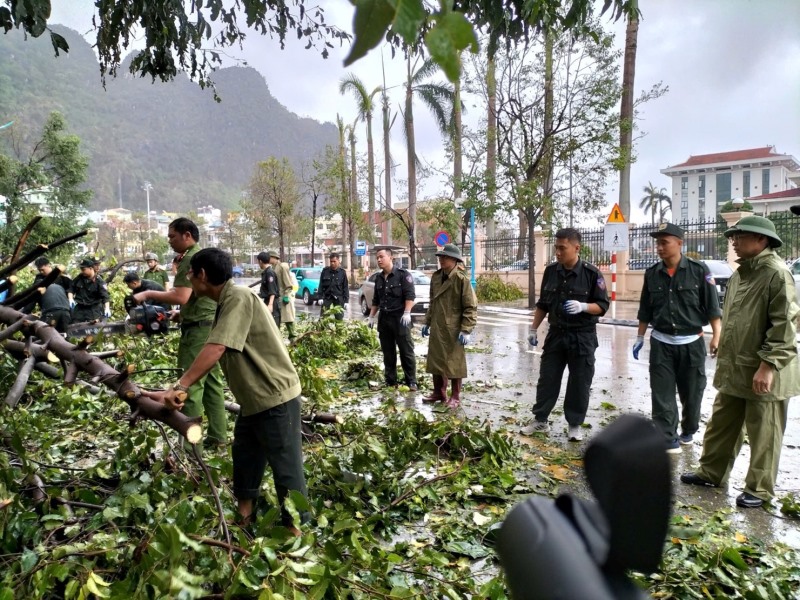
147,187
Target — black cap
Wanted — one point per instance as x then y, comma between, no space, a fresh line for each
668,229
796,209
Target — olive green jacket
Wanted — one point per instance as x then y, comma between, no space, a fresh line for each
453,309
759,324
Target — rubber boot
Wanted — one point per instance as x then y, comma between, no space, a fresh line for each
439,393
455,394
290,330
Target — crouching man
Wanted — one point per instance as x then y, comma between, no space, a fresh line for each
246,342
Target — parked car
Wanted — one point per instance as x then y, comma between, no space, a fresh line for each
422,291
795,269
238,271
519,265
641,264
721,273
308,283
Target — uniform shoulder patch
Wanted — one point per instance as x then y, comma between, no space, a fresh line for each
601,283
710,279
409,278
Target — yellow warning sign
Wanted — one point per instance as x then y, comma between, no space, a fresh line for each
615,216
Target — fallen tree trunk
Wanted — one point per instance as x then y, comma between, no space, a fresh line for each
78,358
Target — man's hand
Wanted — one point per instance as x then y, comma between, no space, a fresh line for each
464,338
637,346
762,380
405,320
425,331
713,345
140,297
573,307
171,399
71,304
533,338
174,315
107,312
344,307
371,321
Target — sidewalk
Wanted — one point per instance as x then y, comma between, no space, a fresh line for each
625,312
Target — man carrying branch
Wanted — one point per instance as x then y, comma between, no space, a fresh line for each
246,342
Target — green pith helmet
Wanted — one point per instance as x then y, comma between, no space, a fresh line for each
759,225
452,251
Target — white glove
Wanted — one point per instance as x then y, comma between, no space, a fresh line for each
573,307
72,303
464,338
405,320
107,313
371,321
533,338
344,307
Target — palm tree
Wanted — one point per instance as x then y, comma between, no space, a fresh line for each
653,201
438,97
366,105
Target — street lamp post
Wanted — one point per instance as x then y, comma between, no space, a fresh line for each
147,187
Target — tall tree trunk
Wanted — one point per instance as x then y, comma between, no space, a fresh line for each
354,204
370,177
313,225
344,190
386,227
412,170
457,159
491,142
626,115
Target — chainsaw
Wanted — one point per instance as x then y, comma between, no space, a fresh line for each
147,319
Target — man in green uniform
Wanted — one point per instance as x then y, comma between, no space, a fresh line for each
154,271
679,297
246,342
449,322
757,365
269,291
196,316
286,288
88,295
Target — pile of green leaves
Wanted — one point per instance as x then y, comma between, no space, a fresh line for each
491,288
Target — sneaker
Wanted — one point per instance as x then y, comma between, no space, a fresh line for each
686,439
575,434
673,447
535,427
746,500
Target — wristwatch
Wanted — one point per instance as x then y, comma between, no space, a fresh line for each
180,388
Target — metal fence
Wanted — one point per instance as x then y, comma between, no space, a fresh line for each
703,240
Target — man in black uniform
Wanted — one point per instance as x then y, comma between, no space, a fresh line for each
573,296
136,285
54,302
88,295
269,290
679,297
333,287
394,295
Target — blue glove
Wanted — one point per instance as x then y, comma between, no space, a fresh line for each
107,313
71,304
533,338
638,346
425,331
464,338
573,307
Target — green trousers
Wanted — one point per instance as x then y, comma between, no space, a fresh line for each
208,394
764,422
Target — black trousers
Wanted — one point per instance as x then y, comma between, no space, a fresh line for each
566,349
393,336
270,437
87,312
57,317
682,367
327,303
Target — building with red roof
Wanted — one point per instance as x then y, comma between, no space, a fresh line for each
703,183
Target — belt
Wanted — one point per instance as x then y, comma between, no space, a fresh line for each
88,305
681,331
191,324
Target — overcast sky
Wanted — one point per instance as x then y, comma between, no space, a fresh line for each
732,67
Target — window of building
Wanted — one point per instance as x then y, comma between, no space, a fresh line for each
745,184
723,188
684,198
765,181
701,197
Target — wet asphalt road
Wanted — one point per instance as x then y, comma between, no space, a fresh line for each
504,370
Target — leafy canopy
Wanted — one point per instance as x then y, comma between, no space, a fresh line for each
191,37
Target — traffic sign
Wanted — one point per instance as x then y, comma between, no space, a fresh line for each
616,216
361,248
441,238
615,237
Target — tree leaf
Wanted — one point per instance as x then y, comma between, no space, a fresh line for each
451,34
370,23
409,17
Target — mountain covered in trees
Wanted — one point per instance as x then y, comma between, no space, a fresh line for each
195,151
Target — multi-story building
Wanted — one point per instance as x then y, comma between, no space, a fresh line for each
705,182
